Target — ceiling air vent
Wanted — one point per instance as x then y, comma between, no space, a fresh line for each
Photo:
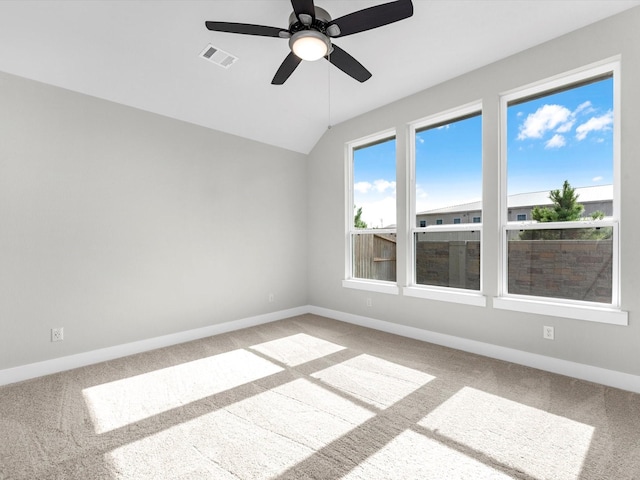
217,56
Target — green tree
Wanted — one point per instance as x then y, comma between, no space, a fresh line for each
565,206
358,222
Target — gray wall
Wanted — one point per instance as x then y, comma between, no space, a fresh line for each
607,346
120,225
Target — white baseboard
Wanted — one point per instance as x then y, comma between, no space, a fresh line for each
25,372
590,373
611,378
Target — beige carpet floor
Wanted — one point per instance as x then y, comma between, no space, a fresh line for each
313,398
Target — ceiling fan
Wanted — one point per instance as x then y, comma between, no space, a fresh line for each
311,30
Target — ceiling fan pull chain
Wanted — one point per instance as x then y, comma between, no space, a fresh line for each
329,91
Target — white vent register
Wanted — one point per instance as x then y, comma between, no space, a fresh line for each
217,56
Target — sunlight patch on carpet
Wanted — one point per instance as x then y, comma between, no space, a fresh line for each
411,455
297,349
259,437
373,380
122,402
536,442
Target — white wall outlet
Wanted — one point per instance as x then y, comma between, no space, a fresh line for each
57,334
272,298
369,302
548,333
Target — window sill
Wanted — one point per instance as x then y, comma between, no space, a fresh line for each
454,296
372,286
608,315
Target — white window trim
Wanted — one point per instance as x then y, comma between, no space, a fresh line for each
446,294
432,292
588,311
349,280
449,227
378,286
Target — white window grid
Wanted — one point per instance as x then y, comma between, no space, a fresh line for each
448,116
576,77
350,229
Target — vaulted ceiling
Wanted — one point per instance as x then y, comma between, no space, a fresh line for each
146,54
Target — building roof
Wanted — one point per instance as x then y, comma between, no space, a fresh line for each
597,193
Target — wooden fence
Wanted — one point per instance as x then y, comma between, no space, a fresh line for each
374,256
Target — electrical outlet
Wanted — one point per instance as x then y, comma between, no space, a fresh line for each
369,302
57,334
272,298
548,333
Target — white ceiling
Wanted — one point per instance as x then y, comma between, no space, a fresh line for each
146,54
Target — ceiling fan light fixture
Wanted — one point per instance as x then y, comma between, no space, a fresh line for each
310,45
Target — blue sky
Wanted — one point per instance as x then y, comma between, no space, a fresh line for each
564,136
449,164
374,188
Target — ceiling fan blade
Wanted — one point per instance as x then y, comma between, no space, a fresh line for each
348,64
303,7
246,29
373,17
286,69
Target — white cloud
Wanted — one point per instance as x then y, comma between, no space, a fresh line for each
547,117
384,185
597,179
556,141
584,107
566,127
421,192
379,186
381,213
594,124
422,199
362,187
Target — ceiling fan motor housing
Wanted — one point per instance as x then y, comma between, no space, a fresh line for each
306,21
309,34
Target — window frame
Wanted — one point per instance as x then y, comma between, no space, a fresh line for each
581,310
435,292
349,281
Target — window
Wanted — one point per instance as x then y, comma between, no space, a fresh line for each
477,219
446,163
560,150
423,223
371,213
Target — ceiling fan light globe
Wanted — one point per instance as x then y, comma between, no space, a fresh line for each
310,45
